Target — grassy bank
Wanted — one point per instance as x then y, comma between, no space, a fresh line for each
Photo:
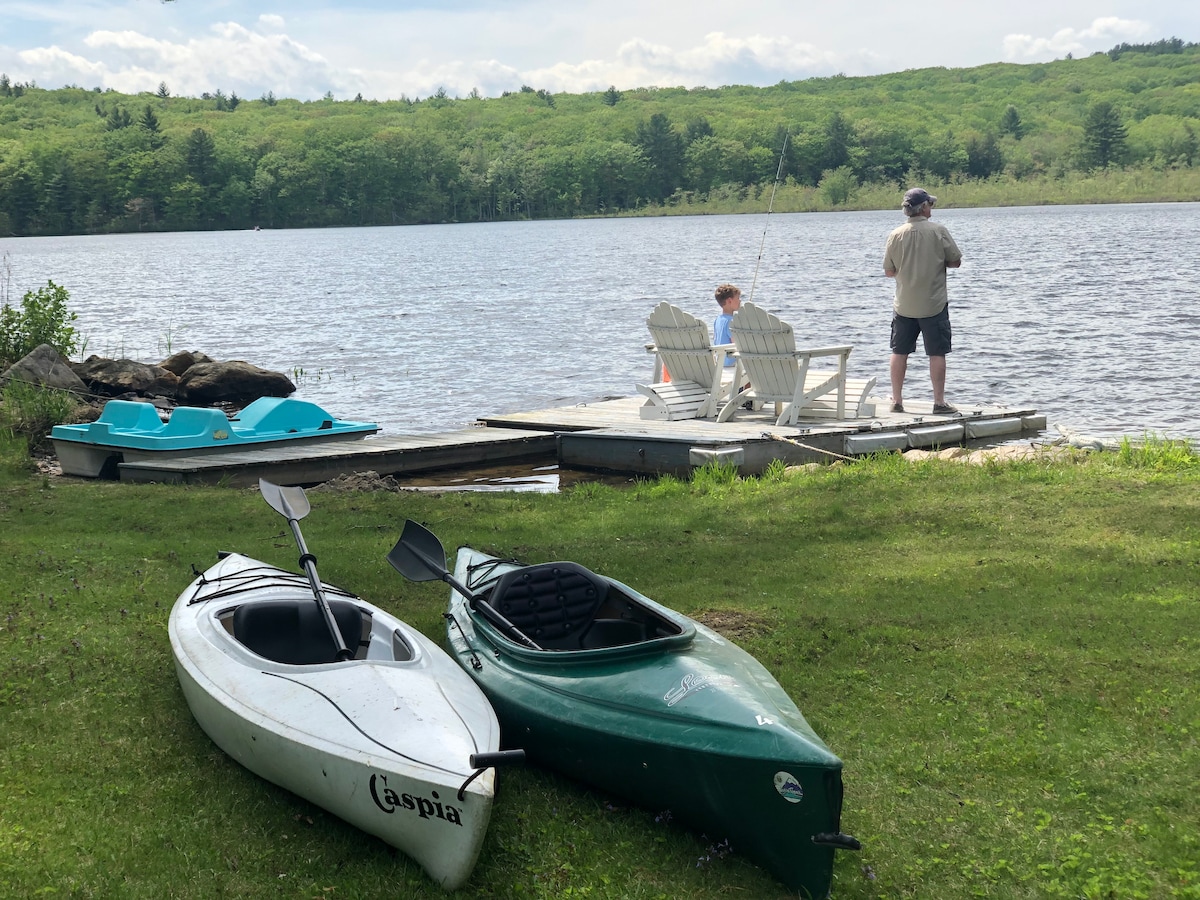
1007,659
1143,185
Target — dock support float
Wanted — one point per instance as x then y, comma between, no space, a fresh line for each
721,456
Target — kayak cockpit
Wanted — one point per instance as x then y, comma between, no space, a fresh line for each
293,631
562,606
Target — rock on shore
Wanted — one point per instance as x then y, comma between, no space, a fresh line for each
189,377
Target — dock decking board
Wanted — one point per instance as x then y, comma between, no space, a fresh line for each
607,435
321,462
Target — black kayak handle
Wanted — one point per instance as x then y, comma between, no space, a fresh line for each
837,841
481,762
498,758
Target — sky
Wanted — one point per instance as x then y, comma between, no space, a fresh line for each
306,49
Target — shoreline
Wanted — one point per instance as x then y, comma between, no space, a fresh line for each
1107,187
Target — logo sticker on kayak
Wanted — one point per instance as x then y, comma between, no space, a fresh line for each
389,801
788,787
693,684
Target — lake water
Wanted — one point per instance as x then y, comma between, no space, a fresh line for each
1088,313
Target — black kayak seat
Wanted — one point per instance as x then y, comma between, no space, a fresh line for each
294,632
604,633
552,603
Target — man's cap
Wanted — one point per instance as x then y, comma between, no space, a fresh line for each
916,196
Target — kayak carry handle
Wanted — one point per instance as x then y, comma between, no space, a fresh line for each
481,762
498,758
837,841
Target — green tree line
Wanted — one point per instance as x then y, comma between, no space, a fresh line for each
74,160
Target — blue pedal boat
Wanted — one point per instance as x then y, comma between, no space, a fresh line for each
132,430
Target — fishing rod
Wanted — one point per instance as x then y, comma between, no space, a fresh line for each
774,187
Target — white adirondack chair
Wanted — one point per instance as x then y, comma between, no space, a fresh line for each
781,374
700,380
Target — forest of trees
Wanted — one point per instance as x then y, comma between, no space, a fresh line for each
75,161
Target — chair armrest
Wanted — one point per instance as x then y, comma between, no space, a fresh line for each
825,351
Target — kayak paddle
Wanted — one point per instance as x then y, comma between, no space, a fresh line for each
292,504
419,556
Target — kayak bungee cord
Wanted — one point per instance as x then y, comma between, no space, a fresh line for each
475,663
249,579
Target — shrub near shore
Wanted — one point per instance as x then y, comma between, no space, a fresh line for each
1006,657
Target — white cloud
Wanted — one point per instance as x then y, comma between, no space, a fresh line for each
718,60
383,51
56,59
1102,34
230,57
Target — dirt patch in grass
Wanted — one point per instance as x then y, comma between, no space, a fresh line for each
735,624
359,481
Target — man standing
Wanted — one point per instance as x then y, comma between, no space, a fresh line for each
918,254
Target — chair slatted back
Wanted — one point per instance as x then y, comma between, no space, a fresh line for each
766,346
684,345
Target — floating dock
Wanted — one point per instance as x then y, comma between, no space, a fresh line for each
612,436
608,435
313,463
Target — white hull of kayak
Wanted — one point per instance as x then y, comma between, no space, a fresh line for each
382,741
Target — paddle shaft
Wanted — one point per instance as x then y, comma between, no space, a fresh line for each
308,562
292,504
488,611
410,541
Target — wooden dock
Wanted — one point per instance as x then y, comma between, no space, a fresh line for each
606,435
611,435
311,463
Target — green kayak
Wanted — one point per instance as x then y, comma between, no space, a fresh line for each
599,682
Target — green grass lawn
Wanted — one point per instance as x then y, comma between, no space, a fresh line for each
1005,657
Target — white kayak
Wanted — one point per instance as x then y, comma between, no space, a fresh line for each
391,740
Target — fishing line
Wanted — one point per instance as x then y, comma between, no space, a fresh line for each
774,187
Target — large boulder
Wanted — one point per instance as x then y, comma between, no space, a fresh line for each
116,377
46,367
183,360
233,381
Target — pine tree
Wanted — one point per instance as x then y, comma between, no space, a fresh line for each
149,120
118,118
1104,136
200,154
663,147
1010,123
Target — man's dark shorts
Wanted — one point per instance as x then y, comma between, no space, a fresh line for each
934,330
